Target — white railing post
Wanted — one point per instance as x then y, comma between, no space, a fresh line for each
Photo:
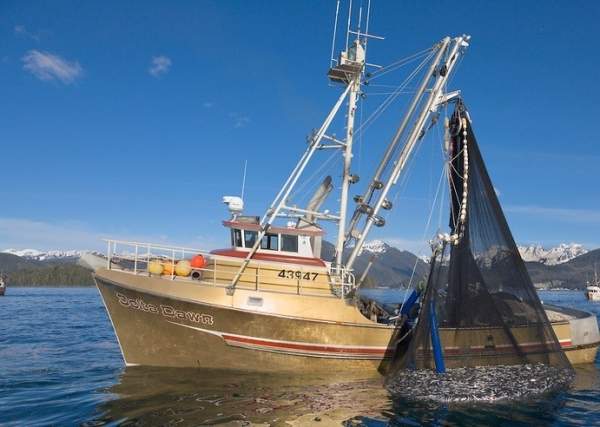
173,264
135,261
215,273
257,276
148,261
108,255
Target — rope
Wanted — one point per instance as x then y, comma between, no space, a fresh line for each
410,282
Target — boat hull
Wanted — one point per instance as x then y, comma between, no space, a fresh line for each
158,325
593,296
162,331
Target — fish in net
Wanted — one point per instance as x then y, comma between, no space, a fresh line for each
482,332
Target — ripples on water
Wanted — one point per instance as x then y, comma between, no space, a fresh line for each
60,365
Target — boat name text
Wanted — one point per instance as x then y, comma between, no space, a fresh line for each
165,310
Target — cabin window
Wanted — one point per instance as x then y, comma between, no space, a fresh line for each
289,243
236,238
270,241
249,238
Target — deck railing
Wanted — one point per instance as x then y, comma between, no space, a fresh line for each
219,271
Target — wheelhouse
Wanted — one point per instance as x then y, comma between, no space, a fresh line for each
285,241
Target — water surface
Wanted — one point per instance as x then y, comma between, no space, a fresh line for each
61,365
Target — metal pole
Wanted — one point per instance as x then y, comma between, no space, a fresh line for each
173,264
108,255
348,27
413,138
354,87
148,261
436,342
337,11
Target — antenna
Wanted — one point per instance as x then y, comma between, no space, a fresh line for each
361,36
367,25
244,178
348,27
337,12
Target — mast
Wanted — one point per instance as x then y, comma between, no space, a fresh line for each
347,70
347,178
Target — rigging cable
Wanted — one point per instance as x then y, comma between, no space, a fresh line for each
427,225
400,63
388,101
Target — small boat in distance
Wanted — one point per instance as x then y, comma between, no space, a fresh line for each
592,290
3,280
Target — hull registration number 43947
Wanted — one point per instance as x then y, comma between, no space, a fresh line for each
297,274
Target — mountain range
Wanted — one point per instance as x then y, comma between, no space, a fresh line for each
36,255
564,266
553,256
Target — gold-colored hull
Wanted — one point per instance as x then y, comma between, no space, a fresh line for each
164,322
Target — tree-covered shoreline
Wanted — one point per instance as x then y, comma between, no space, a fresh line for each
54,275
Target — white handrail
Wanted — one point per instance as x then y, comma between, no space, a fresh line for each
340,280
156,245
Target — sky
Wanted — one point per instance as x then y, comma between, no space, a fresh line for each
131,120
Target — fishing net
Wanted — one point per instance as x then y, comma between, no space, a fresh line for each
479,298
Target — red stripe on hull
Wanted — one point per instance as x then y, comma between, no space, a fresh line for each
319,350
316,348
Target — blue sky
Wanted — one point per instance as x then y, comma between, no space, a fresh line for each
132,119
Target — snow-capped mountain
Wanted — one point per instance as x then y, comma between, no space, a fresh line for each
553,256
43,256
376,247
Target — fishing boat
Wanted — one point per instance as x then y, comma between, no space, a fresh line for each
270,301
592,290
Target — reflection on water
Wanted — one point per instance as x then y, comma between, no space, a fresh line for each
167,396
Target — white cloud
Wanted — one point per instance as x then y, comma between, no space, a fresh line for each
160,65
22,233
20,30
25,233
239,120
560,214
49,67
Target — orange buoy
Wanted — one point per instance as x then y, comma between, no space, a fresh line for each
155,267
183,268
198,261
169,268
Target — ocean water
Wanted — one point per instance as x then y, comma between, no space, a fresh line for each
60,365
